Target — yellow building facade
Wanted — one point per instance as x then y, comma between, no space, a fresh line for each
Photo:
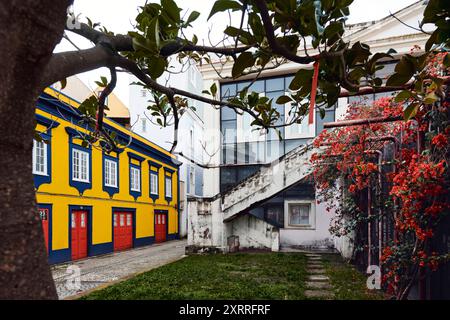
92,202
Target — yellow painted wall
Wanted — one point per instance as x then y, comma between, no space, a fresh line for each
60,194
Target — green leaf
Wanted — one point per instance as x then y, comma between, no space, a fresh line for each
410,111
192,17
157,66
322,113
301,78
172,10
213,89
403,95
283,99
223,5
397,79
154,31
243,61
431,98
446,61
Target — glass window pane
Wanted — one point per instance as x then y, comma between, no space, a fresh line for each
229,153
228,114
229,131
276,84
228,90
242,85
274,150
257,86
228,178
299,214
287,82
245,172
275,214
242,152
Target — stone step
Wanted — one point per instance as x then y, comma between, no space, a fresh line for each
314,258
318,285
318,277
310,265
319,294
315,271
312,255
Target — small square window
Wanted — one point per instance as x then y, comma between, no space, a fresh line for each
299,214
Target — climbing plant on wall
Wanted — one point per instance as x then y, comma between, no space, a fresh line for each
409,186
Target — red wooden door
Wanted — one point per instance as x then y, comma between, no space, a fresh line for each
123,230
43,214
79,234
160,227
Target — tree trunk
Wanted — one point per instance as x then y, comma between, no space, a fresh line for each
29,31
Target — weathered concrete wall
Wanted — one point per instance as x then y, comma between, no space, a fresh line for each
345,246
205,225
317,238
254,233
208,233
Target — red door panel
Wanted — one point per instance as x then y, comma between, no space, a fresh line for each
43,214
160,227
79,234
123,230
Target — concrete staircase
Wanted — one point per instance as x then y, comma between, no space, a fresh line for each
268,181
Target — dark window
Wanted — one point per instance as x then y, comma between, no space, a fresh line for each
275,214
228,178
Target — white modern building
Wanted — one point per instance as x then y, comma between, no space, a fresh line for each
191,136
260,193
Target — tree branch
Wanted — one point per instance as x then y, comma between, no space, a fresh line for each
105,93
270,34
120,42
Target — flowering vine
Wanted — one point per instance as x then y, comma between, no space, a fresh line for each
394,173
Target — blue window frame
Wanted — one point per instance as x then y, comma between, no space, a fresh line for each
135,175
154,180
111,177
42,154
80,163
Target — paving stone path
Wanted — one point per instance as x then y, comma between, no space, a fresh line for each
103,270
318,284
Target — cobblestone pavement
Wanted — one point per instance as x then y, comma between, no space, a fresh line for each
99,271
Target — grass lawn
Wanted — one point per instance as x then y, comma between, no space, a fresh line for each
275,276
348,283
232,276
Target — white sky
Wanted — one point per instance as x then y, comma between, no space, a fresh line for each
118,16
